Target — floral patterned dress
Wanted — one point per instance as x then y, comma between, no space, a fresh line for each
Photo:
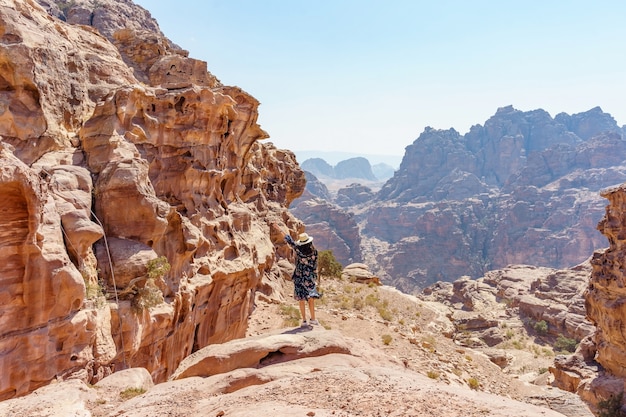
305,275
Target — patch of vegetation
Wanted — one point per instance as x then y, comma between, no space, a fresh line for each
541,327
358,303
328,264
473,383
158,267
542,371
345,302
384,313
518,344
291,315
372,300
432,374
129,393
387,339
565,344
611,407
429,343
150,295
147,296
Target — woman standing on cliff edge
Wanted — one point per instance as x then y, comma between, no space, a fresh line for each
305,275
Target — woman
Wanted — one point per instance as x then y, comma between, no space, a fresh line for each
305,275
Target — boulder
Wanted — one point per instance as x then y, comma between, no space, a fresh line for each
360,273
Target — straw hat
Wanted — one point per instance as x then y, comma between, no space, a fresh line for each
303,239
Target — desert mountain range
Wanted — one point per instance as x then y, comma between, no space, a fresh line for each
524,187
144,272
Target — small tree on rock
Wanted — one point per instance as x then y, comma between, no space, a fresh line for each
328,265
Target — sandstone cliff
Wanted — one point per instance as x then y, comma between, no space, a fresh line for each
596,370
522,189
117,150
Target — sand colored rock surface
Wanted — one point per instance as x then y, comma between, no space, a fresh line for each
343,384
596,370
118,149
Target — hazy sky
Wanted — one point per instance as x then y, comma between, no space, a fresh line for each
368,76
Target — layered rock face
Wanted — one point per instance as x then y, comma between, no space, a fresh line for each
605,296
332,227
119,149
522,189
522,293
596,370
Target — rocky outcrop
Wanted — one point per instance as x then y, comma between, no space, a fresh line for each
383,171
332,227
358,168
318,167
353,195
483,309
522,189
314,189
341,376
596,370
360,273
118,150
605,292
354,168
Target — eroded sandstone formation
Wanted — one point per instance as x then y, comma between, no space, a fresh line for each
606,294
118,149
521,189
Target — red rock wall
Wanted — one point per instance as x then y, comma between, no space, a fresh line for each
605,298
104,168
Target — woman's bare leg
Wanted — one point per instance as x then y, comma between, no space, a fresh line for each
311,307
302,311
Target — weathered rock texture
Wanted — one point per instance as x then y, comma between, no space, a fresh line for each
522,189
605,296
293,373
117,149
597,370
332,227
485,309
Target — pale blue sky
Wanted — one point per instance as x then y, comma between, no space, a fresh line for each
368,76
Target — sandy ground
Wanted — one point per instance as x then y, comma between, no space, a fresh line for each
412,331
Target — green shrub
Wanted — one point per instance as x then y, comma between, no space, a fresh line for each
291,315
541,327
473,383
328,265
384,313
565,344
433,374
158,267
147,296
371,300
387,339
129,393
